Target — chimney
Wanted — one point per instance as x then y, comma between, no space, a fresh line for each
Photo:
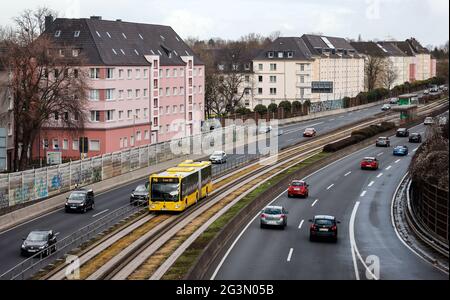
48,22
96,17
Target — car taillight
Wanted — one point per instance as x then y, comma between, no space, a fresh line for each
313,227
334,228
282,216
263,216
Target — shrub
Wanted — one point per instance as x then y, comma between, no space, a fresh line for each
286,106
260,109
273,107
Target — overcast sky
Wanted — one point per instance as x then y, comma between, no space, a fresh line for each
427,20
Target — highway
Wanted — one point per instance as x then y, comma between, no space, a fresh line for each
66,224
344,190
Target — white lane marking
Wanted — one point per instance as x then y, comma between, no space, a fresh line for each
290,254
301,224
354,248
379,175
332,120
371,183
379,154
415,149
348,174
363,193
315,202
330,187
397,161
388,168
100,213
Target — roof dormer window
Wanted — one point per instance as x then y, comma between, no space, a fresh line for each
135,51
163,38
140,35
76,34
280,54
58,33
114,51
123,52
124,36
107,33
270,54
98,33
177,38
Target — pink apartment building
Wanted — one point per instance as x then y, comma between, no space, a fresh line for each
146,86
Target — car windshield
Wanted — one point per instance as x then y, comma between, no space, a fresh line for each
217,154
382,138
298,183
37,236
165,191
77,196
272,211
324,222
140,188
369,160
309,129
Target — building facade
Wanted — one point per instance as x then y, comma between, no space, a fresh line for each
6,115
146,86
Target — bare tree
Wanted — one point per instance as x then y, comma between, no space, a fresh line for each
48,88
389,74
31,23
213,102
374,70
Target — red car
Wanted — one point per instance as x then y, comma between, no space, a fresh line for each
298,188
369,163
309,132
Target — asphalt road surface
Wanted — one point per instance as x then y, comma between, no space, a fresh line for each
343,190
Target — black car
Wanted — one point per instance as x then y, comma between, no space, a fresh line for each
415,138
80,200
139,195
39,241
402,132
323,227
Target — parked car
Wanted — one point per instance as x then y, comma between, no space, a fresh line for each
309,132
323,226
369,163
274,216
402,132
139,195
426,92
400,151
383,142
385,107
434,89
218,157
393,101
415,138
80,200
37,241
298,188
428,121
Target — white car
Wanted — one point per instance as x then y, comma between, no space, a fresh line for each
428,121
265,129
386,107
426,92
218,157
393,101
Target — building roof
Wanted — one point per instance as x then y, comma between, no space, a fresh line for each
410,47
119,43
317,43
378,49
295,45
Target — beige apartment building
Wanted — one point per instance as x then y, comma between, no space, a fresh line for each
320,69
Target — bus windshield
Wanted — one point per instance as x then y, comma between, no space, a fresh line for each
165,192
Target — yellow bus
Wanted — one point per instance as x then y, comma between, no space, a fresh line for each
178,188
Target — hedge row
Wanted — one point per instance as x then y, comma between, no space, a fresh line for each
358,136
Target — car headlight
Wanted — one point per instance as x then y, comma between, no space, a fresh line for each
153,207
132,195
23,246
42,247
82,204
177,206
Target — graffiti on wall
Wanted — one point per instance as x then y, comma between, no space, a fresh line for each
326,105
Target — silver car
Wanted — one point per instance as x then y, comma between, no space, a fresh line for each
274,216
218,157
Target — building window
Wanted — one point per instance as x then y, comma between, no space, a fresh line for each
75,52
167,73
155,122
121,143
302,79
190,116
181,90
65,144
160,73
145,112
167,109
174,109
130,94
155,103
161,111
129,114
125,142
273,79
120,94
94,145
167,91
138,94
120,114
95,116
302,67
109,94
45,143
270,54
138,73
273,91
199,89
58,33
161,92
273,67
181,72
181,108
175,72
120,74
260,67
260,78
56,116
75,145
175,91
145,73
280,54
139,135
109,115
247,78
95,73
145,92
109,73
146,135
260,91
55,144
190,100
129,72
290,54
9,129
